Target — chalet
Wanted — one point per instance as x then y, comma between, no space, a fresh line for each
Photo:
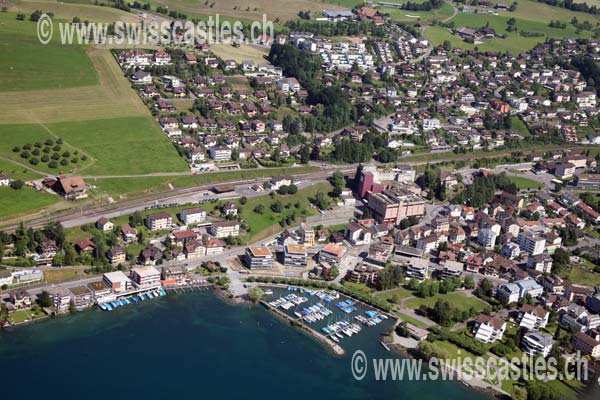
69,187
116,255
104,224
128,233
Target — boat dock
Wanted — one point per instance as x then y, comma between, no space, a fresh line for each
336,348
128,299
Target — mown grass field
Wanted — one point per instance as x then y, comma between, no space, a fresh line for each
445,11
525,183
249,10
133,145
457,299
266,224
242,53
519,126
20,316
19,202
582,276
111,97
62,274
514,42
17,172
67,10
27,65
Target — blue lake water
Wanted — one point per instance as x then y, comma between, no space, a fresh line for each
191,345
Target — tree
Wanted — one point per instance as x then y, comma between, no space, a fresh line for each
243,200
136,219
45,300
256,294
321,200
277,207
337,179
292,189
72,307
283,190
304,154
259,209
17,184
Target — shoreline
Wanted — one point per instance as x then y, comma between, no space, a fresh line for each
331,345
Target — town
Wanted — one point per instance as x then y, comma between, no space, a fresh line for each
452,190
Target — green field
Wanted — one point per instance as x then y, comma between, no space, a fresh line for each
457,299
18,202
400,293
20,316
27,65
519,126
267,223
514,42
122,186
396,14
133,145
17,172
67,10
582,276
525,183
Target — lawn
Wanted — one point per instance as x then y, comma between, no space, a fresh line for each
242,53
582,276
249,10
62,274
17,172
19,316
410,320
267,223
18,202
400,293
67,10
457,299
396,14
110,96
133,145
28,65
525,183
519,126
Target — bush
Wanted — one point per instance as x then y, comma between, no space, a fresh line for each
17,184
53,164
34,161
64,162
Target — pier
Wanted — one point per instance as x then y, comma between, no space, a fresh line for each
337,349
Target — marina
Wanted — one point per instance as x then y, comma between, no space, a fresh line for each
132,299
329,313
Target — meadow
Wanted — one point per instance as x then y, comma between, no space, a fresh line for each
396,14
457,299
154,184
525,183
513,42
133,145
27,65
67,10
248,10
242,53
23,201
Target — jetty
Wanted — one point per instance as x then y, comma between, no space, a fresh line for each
337,349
